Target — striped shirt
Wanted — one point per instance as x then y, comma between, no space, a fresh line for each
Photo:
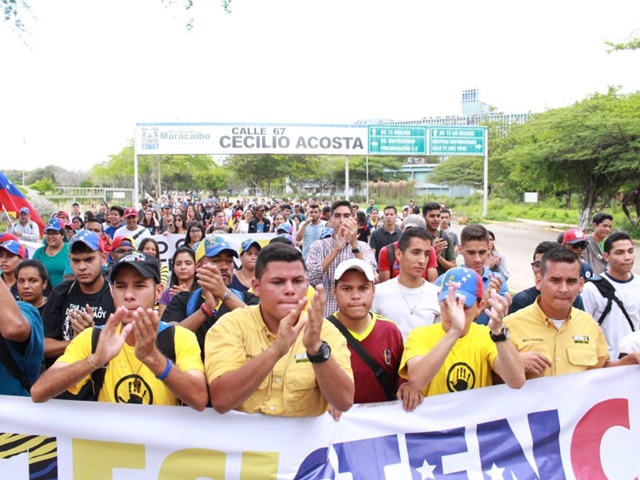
321,249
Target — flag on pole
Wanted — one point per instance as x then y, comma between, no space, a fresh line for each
12,201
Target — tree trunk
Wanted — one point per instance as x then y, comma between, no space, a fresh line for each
588,204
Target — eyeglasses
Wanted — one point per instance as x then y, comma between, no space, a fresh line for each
580,246
121,251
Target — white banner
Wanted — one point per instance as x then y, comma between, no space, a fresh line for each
582,426
261,138
168,244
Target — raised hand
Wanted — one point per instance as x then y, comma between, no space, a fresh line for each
145,331
290,327
311,339
110,341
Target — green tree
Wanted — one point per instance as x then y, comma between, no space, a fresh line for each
591,147
164,172
261,172
632,43
43,186
459,171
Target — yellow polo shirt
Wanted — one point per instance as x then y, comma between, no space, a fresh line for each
290,389
577,346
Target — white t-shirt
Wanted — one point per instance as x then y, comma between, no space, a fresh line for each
629,344
129,233
409,308
615,325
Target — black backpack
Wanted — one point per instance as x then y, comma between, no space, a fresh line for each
608,291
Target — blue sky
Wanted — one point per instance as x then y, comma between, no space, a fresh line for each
92,69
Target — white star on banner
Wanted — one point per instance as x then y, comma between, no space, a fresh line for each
495,473
426,470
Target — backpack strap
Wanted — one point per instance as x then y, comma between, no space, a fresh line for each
12,367
391,253
608,291
381,374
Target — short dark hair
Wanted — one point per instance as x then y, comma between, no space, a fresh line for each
37,264
395,210
615,237
430,206
474,232
94,220
314,205
544,247
326,209
408,234
557,255
600,217
118,209
340,203
444,210
277,252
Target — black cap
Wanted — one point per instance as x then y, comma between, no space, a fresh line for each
145,264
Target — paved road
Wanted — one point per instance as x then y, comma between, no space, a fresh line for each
517,241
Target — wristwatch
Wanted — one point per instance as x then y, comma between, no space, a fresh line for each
355,250
323,354
227,295
502,336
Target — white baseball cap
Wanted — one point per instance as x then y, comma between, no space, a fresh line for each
355,264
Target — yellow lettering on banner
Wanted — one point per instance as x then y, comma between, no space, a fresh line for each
259,465
193,463
96,460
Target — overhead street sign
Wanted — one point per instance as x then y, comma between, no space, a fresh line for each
397,140
457,141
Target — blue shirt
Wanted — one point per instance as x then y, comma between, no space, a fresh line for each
28,355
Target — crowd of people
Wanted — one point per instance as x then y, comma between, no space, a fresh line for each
341,304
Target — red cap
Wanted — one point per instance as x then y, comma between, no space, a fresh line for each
573,235
130,212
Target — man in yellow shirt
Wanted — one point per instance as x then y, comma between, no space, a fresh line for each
273,358
459,354
553,337
136,370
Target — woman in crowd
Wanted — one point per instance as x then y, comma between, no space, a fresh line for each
374,218
78,223
243,225
496,261
277,221
12,253
33,283
191,214
183,274
195,233
363,227
54,254
249,250
179,224
151,247
88,215
150,222
204,215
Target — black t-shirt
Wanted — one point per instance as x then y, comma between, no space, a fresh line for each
176,312
68,296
